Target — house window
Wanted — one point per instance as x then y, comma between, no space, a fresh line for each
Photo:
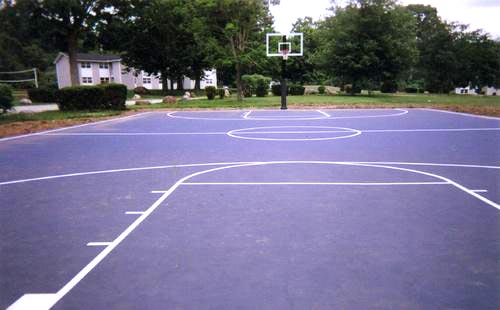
104,80
103,66
85,65
146,80
86,80
112,79
209,81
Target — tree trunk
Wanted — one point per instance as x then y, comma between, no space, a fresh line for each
73,65
164,84
180,83
197,83
171,84
238,82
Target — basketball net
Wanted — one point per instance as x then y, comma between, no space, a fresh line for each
284,53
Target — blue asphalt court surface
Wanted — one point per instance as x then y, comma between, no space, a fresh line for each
254,209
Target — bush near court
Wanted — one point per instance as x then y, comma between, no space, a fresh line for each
92,98
255,84
6,97
42,94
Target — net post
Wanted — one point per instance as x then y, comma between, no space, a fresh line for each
36,77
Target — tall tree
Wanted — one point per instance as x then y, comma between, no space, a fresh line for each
368,42
231,26
437,61
70,21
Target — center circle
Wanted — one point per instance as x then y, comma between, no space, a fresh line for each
294,133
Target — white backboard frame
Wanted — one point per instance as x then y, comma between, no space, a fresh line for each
299,34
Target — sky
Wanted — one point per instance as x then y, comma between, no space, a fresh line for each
479,14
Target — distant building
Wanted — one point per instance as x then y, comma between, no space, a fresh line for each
487,91
96,69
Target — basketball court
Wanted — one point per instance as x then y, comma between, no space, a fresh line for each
254,209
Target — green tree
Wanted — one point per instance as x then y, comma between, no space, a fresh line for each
368,42
437,61
478,58
231,27
66,23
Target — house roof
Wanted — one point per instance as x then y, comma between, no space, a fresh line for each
91,57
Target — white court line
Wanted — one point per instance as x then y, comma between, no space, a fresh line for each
73,127
480,190
319,183
98,243
245,116
430,130
52,299
158,192
461,114
425,164
134,212
236,133
132,133
115,171
222,164
264,118
324,113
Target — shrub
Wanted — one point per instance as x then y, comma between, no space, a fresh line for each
276,89
389,87
222,93
253,81
114,97
210,91
247,92
262,87
42,95
348,88
297,90
141,90
6,97
321,89
102,97
411,90
79,98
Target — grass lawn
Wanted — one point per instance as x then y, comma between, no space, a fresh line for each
470,104
53,116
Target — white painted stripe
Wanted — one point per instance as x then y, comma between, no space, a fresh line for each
158,192
114,171
324,113
245,116
73,127
34,302
99,243
222,164
430,130
134,212
480,190
263,118
461,114
426,164
132,133
319,183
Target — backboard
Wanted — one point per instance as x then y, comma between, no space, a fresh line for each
277,42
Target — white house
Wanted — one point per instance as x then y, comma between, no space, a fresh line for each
487,91
95,69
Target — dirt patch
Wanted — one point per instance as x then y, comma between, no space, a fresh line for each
27,127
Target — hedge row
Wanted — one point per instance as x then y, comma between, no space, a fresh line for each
42,95
294,90
101,97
